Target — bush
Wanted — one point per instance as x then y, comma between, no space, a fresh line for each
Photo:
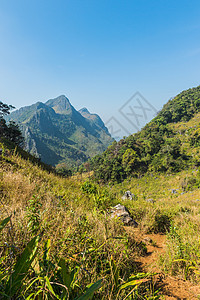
161,223
89,187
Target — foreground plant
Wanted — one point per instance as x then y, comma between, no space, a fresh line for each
21,279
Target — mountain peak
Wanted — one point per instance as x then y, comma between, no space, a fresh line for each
92,117
60,105
84,110
57,132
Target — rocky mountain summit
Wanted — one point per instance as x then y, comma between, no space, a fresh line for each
57,133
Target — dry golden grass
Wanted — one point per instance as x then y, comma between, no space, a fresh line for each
81,230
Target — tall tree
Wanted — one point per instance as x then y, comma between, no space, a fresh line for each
5,109
11,131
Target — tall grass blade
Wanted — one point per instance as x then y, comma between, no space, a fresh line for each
115,271
21,268
4,222
88,295
67,277
50,288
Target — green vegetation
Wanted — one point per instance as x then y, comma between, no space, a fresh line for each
58,134
62,229
11,130
58,239
158,147
59,242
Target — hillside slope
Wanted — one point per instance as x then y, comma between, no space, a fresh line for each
57,133
78,237
160,146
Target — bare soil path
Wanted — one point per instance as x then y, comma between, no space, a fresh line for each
171,287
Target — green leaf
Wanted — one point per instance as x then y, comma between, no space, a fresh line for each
21,268
88,295
136,280
29,297
47,248
67,277
50,288
4,222
64,273
131,283
179,260
32,282
114,271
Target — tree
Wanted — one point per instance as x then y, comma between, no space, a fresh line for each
11,131
63,170
14,134
129,160
5,109
3,127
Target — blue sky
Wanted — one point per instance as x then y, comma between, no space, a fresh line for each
98,52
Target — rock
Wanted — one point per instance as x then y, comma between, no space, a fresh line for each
128,195
147,240
150,200
120,211
174,191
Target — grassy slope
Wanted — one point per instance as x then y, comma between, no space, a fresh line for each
82,232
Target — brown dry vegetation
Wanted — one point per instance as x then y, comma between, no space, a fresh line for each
77,223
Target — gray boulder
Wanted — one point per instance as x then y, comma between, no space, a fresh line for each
128,195
121,212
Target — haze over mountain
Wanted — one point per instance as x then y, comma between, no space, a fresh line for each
56,132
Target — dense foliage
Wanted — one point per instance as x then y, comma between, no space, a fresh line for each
181,108
157,147
10,131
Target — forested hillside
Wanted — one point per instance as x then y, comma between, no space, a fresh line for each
158,147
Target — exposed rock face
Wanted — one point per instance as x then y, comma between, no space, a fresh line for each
57,133
122,212
128,195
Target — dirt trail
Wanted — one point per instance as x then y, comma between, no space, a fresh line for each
172,288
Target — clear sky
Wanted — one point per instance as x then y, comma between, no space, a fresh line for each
98,52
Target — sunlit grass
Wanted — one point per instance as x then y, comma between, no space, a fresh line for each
77,221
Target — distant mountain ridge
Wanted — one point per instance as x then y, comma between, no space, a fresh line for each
57,133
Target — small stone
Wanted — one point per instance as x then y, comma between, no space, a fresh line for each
150,200
147,240
128,195
120,211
